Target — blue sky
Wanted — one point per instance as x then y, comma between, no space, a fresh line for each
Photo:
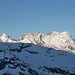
28,16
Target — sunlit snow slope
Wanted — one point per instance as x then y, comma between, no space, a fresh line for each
6,38
52,39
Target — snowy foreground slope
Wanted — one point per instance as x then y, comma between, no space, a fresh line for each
52,39
30,59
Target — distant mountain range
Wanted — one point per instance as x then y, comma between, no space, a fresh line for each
52,39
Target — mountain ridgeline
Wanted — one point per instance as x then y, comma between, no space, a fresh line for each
52,39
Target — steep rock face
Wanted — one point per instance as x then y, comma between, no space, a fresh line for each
6,38
30,59
31,38
52,39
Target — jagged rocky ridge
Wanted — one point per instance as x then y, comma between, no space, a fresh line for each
52,39
30,59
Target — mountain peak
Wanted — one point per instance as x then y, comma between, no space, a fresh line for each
5,35
6,38
65,33
52,33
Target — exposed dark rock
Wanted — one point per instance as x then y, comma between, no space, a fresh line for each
18,50
56,70
48,51
2,66
6,74
21,73
32,72
70,47
1,51
32,52
21,47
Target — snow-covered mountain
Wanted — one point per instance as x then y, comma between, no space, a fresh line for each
52,39
6,38
30,59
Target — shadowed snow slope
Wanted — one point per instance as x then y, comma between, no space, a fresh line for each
30,59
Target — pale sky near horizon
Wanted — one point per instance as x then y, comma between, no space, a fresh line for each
28,16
